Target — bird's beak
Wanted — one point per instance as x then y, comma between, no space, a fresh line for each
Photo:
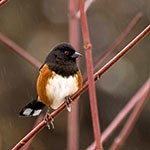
76,54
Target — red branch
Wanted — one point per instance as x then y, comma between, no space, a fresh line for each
73,125
87,5
117,42
2,2
89,66
19,51
122,114
96,76
124,51
120,140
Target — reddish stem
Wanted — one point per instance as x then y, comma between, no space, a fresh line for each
122,114
80,91
73,126
2,2
86,7
123,51
117,42
89,66
20,51
120,140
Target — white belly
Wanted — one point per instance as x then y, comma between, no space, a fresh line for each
60,87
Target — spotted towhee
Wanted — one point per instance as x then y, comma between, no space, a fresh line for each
59,78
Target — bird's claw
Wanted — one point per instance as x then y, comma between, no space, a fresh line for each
49,123
68,101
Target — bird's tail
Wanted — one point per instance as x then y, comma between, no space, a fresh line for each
33,108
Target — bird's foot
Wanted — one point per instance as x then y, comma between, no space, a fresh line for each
68,102
50,124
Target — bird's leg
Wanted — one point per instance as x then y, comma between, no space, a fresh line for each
46,118
68,101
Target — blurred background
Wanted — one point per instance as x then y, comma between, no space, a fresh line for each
37,26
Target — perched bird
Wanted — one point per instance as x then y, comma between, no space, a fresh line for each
59,77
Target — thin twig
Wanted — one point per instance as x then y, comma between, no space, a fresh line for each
73,125
124,51
89,67
121,138
20,51
2,2
87,5
41,125
122,114
117,42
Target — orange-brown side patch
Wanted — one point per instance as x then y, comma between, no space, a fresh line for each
43,77
80,81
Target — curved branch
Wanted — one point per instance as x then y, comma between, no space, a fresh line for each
2,2
20,51
120,140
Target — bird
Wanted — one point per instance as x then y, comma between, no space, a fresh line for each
59,77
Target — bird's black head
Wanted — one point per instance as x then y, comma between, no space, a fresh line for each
62,59
62,53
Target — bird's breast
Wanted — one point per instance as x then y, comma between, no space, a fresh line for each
58,87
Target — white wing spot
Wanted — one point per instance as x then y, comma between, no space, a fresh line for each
27,111
36,112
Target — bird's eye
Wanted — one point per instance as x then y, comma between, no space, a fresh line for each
66,53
